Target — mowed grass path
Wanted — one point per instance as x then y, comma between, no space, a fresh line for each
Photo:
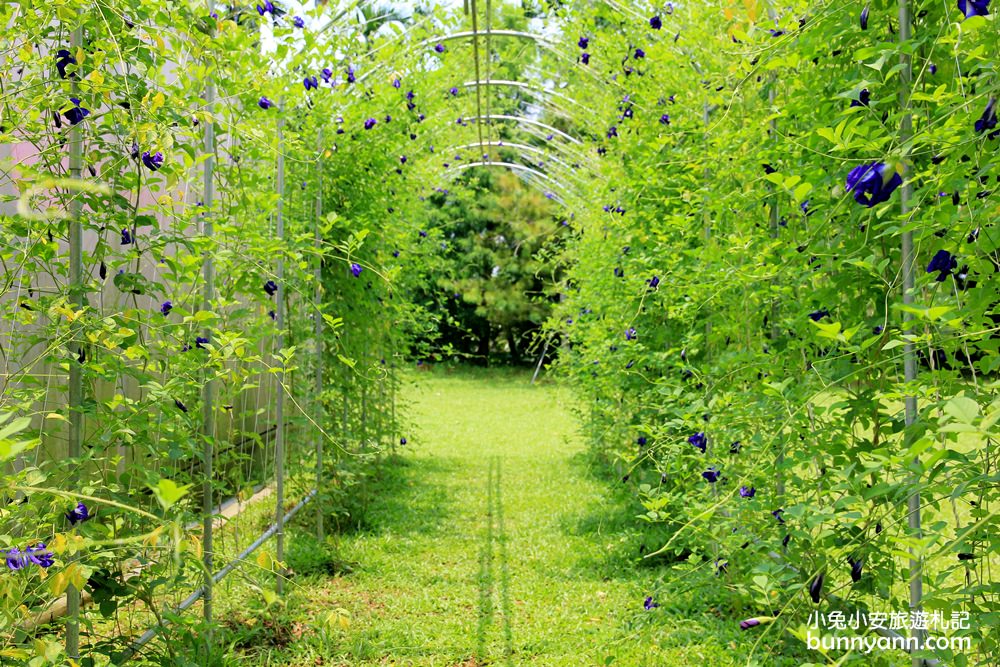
490,544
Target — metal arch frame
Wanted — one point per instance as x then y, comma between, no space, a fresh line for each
514,167
525,147
519,119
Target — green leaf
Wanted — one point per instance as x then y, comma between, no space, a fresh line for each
168,492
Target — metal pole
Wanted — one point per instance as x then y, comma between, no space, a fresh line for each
779,460
318,330
909,356
279,440
75,389
208,388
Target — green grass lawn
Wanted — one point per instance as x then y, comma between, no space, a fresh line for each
488,541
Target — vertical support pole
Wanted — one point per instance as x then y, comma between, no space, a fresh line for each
208,388
909,355
279,439
318,330
364,396
779,459
75,389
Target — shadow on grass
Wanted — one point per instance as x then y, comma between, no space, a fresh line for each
616,513
402,496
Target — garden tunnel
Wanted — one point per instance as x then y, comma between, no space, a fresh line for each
774,293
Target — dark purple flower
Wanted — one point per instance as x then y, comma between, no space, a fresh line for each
77,113
988,121
402,441
612,131
749,623
864,18
619,273
273,315
721,566
944,263
873,183
747,492
153,162
370,123
40,556
777,515
395,253
439,47
630,334
263,102
585,58
16,559
63,58
200,342
665,119
388,118
932,68
351,78
584,41
655,23
310,82
166,307
711,474
864,98
817,315
396,83
78,514
356,269
699,440
734,447
877,330
422,234
271,287
856,565
639,54
648,604
641,441
266,8
974,7
180,406
298,22
127,237
410,95
453,91
326,74
816,588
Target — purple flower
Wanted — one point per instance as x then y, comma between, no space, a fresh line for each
816,588
396,83
453,91
423,234
200,342
817,315
266,8
271,287
877,330
648,604
78,514
263,102
856,565
932,68
944,263
747,492
630,334
974,7
351,78
653,282
15,559
988,121
77,113
619,273
777,515
641,441
665,119
655,23
395,253
326,74
585,58
40,556
127,237
734,447
864,98
873,183
356,269
749,623
63,58
388,118
639,54
310,82
273,315
864,18
153,162
410,95
439,47
180,406
699,440
711,474
584,41
612,131
298,22
370,123
166,307
402,441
